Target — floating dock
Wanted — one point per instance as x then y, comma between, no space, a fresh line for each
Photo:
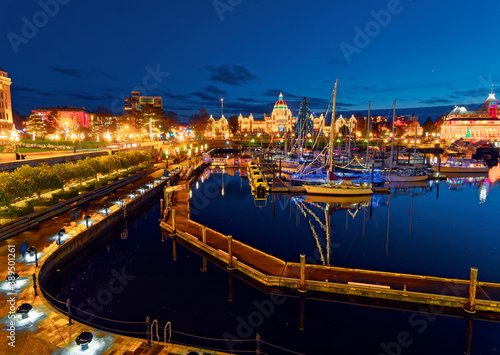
465,296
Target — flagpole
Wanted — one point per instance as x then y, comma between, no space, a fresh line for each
221,108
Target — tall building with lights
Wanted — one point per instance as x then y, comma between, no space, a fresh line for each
135,101
481,124
280,121
6,120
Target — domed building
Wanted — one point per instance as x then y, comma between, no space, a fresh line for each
279,122
481,124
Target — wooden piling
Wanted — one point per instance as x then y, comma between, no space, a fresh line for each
302,287
161,207
468,337
230,252
173,222
472,289
204,234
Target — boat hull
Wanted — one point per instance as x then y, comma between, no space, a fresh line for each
455,169
409,178
337,191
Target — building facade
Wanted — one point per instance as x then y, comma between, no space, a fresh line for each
135,102
480,124
280,121
69,117
6,119
218,126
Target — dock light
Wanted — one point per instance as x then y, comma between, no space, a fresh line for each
133,194
60,233
33,251
120,201
106,209
87,217
84,340
24,310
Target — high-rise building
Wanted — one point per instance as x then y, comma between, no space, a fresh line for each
6,121
135,102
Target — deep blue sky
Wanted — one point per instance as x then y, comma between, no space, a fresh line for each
94,52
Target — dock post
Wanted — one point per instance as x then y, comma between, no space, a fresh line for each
34,284
148,324
257,340
174,231
472,289
468,336
301,320
161,208
68,305
204,265
274,174
230,252
204,234
302,287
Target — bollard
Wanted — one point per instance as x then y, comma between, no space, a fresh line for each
68,305
472,289
204,234
36,257
174,231
302,287
161,207
34,284
148,325
230,252
257,340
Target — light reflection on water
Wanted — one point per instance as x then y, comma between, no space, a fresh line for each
427,228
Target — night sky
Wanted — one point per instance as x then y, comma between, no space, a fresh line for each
93,53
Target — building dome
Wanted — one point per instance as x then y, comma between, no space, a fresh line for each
491,97
280,107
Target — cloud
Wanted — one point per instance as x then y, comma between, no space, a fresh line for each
106,74
70,72
236,75
23,88
206,97
175,96
275,93
88,97
434,100
215,90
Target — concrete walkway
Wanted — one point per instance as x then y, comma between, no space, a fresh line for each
46,330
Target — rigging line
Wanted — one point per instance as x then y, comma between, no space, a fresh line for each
315,217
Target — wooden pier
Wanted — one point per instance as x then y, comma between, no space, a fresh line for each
465,296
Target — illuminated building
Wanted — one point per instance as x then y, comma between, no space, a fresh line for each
135,102
280,121
218,126
6,121
480,124
72,117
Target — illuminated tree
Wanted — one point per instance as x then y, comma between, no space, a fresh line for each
36,126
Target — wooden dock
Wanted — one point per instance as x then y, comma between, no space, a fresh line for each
466,296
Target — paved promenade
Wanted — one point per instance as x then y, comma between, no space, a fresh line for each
46,330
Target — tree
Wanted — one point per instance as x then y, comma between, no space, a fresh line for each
104,111
12,188
199,121
233,124
146,116
66,172
52,122
39,178
428,126
304,125
35,125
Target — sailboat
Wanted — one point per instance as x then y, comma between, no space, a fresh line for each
406,175
338,187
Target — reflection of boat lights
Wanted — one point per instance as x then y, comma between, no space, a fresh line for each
197,185
483,193
190,193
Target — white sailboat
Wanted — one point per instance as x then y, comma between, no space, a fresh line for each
340,187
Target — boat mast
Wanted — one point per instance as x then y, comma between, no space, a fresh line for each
415,148
392,140
368,134
332,125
